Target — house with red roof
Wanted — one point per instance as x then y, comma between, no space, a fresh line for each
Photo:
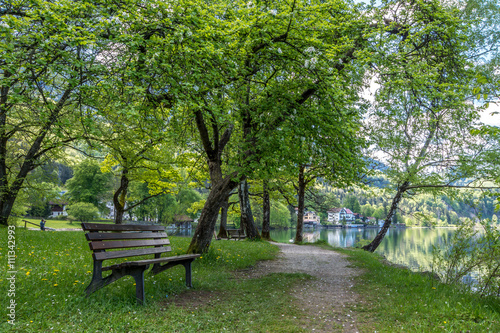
337,215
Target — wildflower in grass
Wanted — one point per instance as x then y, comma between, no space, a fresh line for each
56,285
56,270
27,273
433,287
44,279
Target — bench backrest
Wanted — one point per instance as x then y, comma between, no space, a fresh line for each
119,238
235,233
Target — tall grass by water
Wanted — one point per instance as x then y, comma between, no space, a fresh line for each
399,300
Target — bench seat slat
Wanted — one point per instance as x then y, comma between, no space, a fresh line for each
130,253
152,261
124,235
104,245
121,227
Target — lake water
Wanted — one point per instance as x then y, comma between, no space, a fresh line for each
411,247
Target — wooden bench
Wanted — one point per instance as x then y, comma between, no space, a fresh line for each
235,234
113,241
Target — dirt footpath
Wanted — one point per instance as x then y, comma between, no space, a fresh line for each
328,298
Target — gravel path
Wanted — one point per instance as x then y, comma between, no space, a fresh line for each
328,298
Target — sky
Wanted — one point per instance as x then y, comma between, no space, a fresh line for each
493,120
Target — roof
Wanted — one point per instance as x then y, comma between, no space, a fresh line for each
337,210
182,218
58,203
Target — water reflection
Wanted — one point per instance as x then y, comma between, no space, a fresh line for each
410,247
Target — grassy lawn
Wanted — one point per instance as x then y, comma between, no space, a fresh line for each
401,301
55,267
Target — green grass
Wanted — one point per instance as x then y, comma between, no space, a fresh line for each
54,269
398,300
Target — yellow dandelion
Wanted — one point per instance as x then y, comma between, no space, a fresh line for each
55,285
27,273
56,270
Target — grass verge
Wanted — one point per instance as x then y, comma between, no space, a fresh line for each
53,269
398,300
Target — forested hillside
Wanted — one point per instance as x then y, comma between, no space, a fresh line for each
423,209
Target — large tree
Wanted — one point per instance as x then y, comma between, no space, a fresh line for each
283,57
425,81
48,54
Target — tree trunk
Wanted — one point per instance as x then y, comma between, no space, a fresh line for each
387,223
300,199
247,221
204,231
6,205
223,219
266,213
120,196
8,194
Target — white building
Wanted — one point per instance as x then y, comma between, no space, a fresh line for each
337,215
310,217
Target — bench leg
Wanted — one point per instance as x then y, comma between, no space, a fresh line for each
187,266
98,281
138,275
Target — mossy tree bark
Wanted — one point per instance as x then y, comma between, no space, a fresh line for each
300,213
247,220
119,197
223,219
266,212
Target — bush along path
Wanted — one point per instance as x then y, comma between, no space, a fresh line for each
328,302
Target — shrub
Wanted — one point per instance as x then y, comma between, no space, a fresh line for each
83,212
472,253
